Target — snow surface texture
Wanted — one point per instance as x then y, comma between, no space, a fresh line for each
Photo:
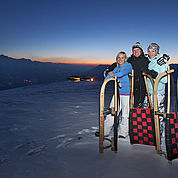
47,131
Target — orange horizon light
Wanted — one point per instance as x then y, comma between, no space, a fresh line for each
76,63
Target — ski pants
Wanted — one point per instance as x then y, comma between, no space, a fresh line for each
123,120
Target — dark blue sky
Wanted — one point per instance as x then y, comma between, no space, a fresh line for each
86,30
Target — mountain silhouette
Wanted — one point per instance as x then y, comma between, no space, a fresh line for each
21,72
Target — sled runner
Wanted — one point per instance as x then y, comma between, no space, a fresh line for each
104,111
141,120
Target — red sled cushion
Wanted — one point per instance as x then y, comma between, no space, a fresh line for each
141,126
172,136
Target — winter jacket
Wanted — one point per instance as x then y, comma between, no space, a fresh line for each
139,64
122,74
153,65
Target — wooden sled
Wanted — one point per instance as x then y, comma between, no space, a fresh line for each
113,141
171,128
141,120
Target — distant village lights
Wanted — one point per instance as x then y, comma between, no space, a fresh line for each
78,79
92,79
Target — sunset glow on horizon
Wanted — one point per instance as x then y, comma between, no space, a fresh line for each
77,61
85,62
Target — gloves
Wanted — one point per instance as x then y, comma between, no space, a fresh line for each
153,73
163,60
109,69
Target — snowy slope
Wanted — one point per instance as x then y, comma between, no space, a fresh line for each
47,131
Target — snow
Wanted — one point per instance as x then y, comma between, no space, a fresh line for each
47,131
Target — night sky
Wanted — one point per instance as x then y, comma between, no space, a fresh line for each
86,31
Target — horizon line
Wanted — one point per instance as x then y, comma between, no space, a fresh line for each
73,63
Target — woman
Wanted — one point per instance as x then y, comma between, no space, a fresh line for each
121,71
158,62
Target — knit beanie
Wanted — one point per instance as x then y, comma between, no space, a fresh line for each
137,45
154,47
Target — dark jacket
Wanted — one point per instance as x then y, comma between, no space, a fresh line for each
139,64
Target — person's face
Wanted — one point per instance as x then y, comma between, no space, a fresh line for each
121,59
152,53
137,52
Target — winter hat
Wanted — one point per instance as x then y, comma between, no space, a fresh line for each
154,47
137,45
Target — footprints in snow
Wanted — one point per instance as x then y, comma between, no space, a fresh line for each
61,140
36,150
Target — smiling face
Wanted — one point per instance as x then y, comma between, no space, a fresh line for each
137,52
121,59
152,53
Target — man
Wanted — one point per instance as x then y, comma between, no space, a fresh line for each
140,64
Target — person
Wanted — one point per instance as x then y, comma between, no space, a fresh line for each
121,71
139,63
158,62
